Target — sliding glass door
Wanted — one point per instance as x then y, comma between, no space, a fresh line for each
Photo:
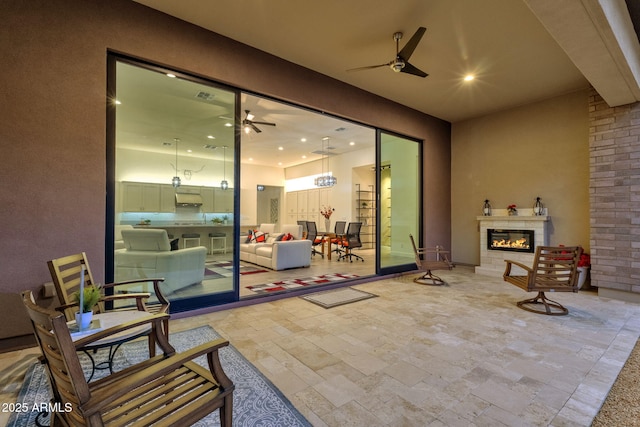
399,205
172,151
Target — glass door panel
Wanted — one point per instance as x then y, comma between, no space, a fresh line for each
174,145
399,212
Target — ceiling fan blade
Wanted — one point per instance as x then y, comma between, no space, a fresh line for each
264,123
255,128
408,48
410,69
369,67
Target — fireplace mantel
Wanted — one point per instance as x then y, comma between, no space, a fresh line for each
492,261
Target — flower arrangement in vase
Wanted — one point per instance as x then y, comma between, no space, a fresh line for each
512,210
326,212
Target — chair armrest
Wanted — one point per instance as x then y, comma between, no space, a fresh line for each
507,271
153,319
104,396
156,287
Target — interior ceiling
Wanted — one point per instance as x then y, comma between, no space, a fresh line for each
520,51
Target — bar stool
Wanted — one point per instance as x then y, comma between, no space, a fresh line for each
190,236
218,237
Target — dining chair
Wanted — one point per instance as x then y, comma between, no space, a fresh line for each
338,231
351,241
312,234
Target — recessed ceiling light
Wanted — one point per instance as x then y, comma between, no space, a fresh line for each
228,125
118,102
211,137
171,75
279,163
189,151
304,156
303,139
352,143
251,159
280,148
468,78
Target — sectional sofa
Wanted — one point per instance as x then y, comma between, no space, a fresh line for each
274,253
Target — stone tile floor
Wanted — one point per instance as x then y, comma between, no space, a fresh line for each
458,355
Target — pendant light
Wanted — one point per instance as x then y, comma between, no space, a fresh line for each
175,181
224,184
323,180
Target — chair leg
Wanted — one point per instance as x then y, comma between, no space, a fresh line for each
551,308
430,279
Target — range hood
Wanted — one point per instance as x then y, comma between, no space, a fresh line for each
187,199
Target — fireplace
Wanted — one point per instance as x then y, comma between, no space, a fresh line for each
510,240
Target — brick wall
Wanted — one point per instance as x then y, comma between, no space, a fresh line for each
614,145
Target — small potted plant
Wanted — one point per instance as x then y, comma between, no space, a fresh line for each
90,296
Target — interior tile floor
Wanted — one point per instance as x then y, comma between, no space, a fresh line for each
455,355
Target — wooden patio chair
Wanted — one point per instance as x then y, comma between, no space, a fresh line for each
554,270
429,259
165,390
65,273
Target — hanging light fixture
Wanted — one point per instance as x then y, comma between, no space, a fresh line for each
175,181
224,184
323,180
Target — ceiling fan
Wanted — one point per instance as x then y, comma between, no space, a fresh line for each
400,64
248,123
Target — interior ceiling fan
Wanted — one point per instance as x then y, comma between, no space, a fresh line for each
400,64
248,123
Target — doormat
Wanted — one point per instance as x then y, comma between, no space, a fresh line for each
283,285
336,297
218,269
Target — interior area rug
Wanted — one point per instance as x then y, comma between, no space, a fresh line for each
218,269
298,283
256,401
336,297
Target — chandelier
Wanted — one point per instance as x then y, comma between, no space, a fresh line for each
323,180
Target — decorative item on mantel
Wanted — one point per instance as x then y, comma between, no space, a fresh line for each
326,212
512,210
583,268
486,209
538,207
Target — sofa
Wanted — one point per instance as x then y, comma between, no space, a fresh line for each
147,254
118,241
275,254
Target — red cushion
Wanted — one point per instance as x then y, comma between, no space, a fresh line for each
287,236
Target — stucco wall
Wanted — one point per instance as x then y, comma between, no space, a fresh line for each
512,157
54,119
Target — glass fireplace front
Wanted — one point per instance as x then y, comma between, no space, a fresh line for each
510,240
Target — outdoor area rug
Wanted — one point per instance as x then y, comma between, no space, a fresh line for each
256,401
219,269
297,283
336,297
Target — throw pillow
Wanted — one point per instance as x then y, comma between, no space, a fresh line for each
258,237
280,236
249,236
287,237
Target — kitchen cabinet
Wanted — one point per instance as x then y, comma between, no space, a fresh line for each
167,198
208,196
223,200
140,197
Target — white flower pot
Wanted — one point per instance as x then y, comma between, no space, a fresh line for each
83,320
582,276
